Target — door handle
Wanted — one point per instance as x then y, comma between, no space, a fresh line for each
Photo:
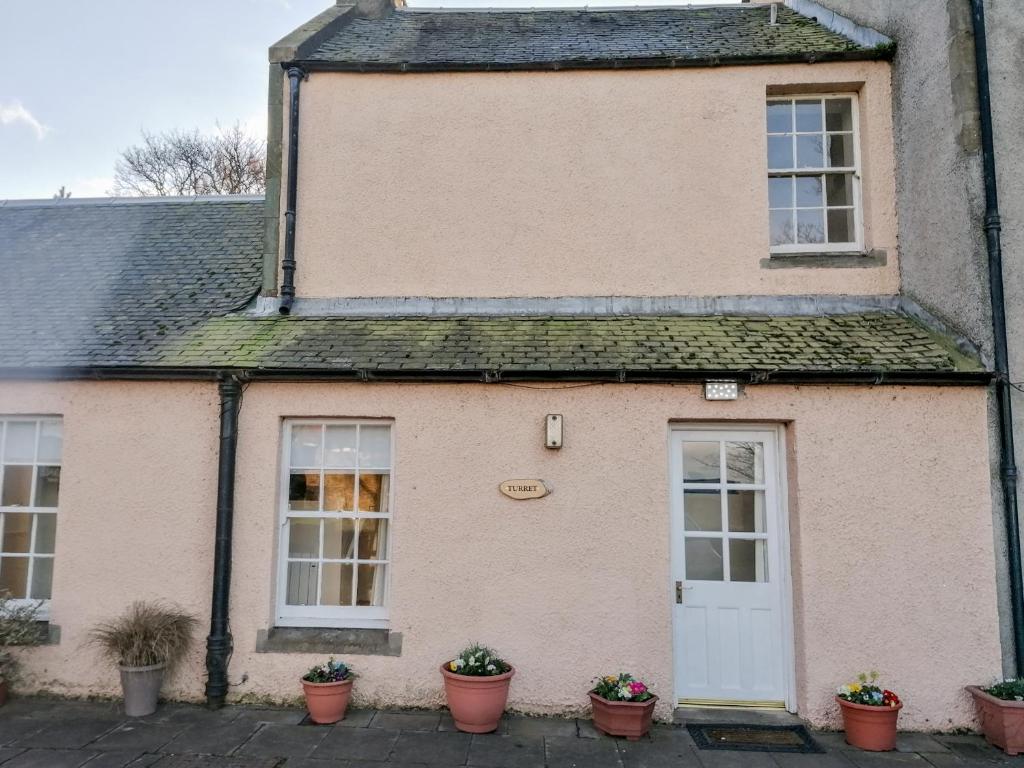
679,592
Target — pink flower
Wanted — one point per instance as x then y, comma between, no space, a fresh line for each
636,688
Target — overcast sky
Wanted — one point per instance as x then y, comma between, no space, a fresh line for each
82,78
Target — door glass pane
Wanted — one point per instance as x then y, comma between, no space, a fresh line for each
305,445
340,447
702,510
304,491
47,486
780,117
302,583
20,444
747,560
375,447
810,152
372,539
46,533
839,114
746,511
339,537
373,493
704,560
338,490
304,537
17,532
42,578
14,576
51,441
337,585
744,462
701,462
17,491
808,115
370,589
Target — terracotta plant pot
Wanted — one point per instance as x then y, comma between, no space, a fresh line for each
141,686
1002,721
327,702
631,719
476,703
870,728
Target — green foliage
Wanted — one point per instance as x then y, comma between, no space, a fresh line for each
478,661
146,634
19,626
330,672
622,687
867,691
1011,689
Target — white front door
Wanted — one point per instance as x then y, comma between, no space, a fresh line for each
729,568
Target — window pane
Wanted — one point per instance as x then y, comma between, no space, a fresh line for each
20,443
42,578
14,576
840,150
744,462
304,491
375,447
51,441
840,188
780,192
810,152
17,532
340,447
46,533
701,462
17,490
304,537
302,583
780,152
840,225
780,117
746,511
704,560
810,226
47,486
373,493
338,492
339,538
373,539
839,114
808,115
370,589
337,585
781,227
305,445
702,510
747,560
809,192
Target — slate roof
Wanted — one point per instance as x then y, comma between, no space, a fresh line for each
160,286
410,40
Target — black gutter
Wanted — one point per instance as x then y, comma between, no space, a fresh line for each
219,643
993,243
295,76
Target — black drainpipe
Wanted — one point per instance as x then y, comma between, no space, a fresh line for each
219,644
993,229
295,76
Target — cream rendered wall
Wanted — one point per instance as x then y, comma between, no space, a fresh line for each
568,587
640,182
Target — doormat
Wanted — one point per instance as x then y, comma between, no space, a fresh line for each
753,738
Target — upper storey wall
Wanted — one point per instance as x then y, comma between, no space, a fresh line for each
573,183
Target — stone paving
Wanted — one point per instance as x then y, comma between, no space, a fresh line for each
51,733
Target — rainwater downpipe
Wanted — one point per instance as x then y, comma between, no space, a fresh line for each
993,230
295,77
219,643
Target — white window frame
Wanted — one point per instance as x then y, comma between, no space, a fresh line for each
43,612
857,246
349,617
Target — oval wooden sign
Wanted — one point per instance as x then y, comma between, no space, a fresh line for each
524,489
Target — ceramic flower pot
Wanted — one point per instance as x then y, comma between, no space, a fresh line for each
327,702
1002,721
870,728
631,719
141,686
476,703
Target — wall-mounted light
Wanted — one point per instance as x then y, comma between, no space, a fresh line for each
553,432
721,390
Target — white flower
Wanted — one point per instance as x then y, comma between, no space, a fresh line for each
459,663
491,667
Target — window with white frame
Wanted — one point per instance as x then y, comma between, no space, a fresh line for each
335,520
813,174
30,453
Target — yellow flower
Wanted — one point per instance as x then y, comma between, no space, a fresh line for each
611,679
855,688
452,666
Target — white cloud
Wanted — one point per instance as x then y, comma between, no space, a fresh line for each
95,186
14,112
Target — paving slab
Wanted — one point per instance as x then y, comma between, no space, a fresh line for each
68,734
803,760
119,759
280,740
722,758
658,753
442,748
206,739
507,751
541,726
357,718
406,721
213,761
134,734
562,752
50,758
884,759
356,744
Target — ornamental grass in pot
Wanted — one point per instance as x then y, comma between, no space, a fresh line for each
328,688
476,685
19,627
145,643
622,706
1001,712
869,713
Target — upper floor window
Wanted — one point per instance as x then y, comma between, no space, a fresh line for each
335,516
30,453
813,174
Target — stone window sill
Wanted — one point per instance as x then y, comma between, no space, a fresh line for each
352,642
839,260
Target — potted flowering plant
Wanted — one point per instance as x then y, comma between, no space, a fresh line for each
476,685
622,706
327,688
1001,712
19,626
869,713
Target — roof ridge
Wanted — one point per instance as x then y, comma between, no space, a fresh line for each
112,201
